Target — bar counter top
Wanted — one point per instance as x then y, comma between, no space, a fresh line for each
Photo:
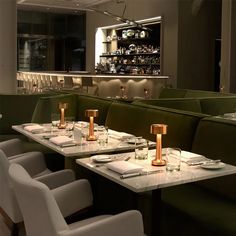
87,74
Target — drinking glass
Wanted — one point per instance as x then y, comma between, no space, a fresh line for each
102,133
70,123
77,133
141,148
173,159
55,119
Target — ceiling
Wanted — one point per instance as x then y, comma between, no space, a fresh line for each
59,5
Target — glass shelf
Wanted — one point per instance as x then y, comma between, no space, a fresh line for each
130,55
138,64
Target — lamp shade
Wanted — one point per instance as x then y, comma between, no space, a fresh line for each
63,105
158,129
91,113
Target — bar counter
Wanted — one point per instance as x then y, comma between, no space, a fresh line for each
106,85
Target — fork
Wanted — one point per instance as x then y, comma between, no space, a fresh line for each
127,158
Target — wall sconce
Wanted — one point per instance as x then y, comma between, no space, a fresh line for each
146,93
122,90
91,114
158,130
62,108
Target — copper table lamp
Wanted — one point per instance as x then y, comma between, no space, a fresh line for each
62,108
91,113
158,130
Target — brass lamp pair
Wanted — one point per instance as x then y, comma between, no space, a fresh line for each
91,113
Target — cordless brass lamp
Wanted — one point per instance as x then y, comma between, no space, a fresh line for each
62,108
91,113
158,130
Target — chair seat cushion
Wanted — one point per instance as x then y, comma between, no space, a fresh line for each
46,171
87,221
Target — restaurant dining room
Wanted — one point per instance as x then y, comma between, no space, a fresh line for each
117,117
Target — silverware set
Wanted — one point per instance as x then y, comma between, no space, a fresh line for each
209,162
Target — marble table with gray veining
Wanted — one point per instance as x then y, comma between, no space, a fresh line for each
84,149
154,181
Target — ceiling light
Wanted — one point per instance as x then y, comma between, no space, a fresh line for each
121,19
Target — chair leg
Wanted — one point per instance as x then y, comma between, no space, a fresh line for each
14,227
14,230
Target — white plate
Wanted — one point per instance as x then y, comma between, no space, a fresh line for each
101,158
213,166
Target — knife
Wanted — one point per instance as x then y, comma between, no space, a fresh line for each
210,162
125,176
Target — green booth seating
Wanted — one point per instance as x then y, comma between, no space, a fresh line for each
48,105
85,102
185,104
172,93
189,93
218,105
16,109
137,119
211,204
77,104
214,106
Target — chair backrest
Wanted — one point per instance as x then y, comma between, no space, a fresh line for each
68,82
11,147
54,81
40,210
8,200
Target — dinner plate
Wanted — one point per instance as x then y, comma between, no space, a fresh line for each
214,166
101,158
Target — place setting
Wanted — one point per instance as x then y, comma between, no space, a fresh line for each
197,160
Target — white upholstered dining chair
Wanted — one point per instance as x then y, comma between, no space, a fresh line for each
39,208
34,163
14,148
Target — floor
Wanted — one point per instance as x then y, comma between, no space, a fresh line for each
5,231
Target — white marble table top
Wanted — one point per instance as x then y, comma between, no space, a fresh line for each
87,147
153,181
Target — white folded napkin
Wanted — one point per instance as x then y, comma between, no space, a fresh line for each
28,124
119,135
124,167
191,157
61,140
229,115
34,128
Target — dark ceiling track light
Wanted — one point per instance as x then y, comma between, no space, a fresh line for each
129,22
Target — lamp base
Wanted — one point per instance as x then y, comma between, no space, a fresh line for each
158,162
91,138
61,126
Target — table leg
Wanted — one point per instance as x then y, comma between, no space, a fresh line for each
156,212
149,204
